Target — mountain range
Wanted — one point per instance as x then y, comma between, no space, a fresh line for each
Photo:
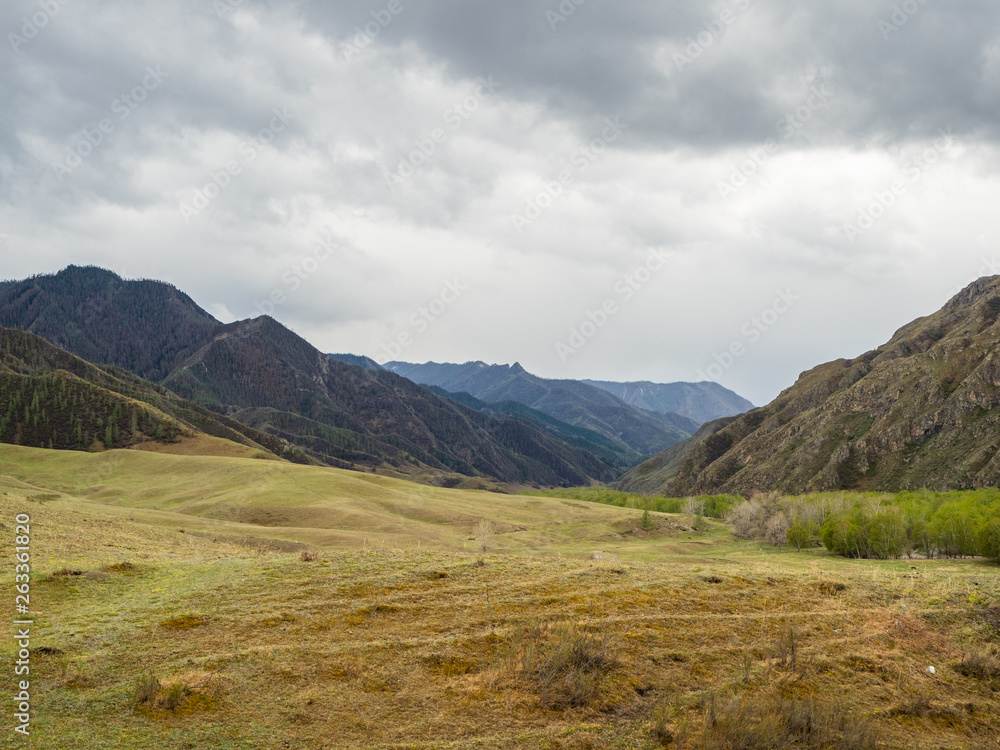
262,376
576,402
699,402
921,411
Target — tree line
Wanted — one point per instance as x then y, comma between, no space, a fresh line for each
880,526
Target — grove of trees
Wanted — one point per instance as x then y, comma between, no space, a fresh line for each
881,526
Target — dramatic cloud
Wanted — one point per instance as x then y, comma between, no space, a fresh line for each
736,190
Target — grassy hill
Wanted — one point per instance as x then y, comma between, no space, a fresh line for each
574,632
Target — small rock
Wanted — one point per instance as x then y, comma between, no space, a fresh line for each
904,608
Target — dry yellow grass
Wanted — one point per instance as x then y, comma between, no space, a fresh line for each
254,646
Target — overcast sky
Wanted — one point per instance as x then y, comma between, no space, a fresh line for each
456,180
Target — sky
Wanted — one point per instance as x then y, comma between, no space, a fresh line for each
667,191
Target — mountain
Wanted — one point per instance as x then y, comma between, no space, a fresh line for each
653,475
274,383
618,458
52,399
569,401
147,327
701,402
270,378
353,359
923,410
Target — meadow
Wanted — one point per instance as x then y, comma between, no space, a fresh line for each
188,601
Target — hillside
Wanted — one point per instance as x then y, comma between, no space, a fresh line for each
923,410
609,451
262,375
268,377
653,474
147,327
700,402
53,399
569,401
351,611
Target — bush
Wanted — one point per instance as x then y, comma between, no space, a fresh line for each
753,722
145,689
564,664
798,536
979,664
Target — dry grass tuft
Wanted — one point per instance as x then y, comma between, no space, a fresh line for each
189,691
757,722
979,664
565,665
184,622
831,588
145,689
122,567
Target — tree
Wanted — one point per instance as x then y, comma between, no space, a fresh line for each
745,519
647,522
776,530
887,535
798,536
989,540
484,535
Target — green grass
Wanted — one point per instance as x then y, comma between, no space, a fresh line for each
242,642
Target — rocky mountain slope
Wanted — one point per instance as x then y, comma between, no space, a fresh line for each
700,402
569,401
923,410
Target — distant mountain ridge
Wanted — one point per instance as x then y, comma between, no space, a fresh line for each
570,401
923,410
701,402
604,448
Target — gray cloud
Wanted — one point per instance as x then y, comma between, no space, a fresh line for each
699,87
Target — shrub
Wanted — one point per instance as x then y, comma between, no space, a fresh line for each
798,536
175,696
145,689
979,664
565,664
753,722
